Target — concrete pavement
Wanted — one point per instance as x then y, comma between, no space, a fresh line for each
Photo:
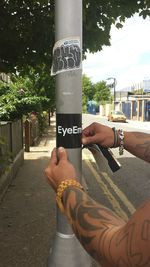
27,211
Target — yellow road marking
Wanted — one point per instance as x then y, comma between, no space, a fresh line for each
116,189
110,197
115,204
84,184
119,193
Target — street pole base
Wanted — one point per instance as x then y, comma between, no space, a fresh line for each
68,252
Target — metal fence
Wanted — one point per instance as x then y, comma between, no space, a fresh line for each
126,109
147,110
11,141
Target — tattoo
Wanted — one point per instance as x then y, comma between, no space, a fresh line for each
105,236
140,145
145,149
133,257
140,135
145,230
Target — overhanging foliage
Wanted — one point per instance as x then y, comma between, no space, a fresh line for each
27,28
16,102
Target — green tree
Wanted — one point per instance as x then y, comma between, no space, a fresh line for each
27,28
87,91
27,33
139,91
20,98
39,82
98,16
102,92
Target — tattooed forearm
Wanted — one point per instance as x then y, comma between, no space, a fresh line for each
138,144
90,221
145,148
104,235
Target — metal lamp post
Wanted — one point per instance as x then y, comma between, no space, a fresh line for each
114,86
67,66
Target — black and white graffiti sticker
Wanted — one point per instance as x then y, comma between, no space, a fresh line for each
66,55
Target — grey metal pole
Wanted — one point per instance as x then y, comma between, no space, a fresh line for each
67,66
114,92
114,87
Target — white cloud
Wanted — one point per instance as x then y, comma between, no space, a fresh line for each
128,57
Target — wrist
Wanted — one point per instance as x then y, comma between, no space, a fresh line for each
118,140
63,186
116,137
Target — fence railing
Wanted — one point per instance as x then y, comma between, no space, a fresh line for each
11,141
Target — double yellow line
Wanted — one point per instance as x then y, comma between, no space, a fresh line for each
113,201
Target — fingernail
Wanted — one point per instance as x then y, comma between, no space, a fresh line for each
61,149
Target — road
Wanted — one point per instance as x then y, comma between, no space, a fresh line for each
124,190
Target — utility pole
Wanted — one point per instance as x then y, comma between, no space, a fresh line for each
114,91
67,66
114,87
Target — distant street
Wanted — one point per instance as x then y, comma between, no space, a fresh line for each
129,126
126,189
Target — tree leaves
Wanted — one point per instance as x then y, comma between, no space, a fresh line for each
118,25
99,92
26,34
22,97
27,28
102,92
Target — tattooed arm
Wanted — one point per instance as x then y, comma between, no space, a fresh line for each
105,236
138,144
135,142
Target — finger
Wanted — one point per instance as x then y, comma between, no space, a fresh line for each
53,160
89,140
86,131
62,154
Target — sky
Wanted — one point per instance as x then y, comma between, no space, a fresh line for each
128,57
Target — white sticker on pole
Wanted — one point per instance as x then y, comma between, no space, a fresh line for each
66,55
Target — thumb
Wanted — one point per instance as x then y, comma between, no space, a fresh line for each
62,154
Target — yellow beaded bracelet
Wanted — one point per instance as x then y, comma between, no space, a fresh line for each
61,188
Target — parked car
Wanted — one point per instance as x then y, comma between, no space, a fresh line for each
117,116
